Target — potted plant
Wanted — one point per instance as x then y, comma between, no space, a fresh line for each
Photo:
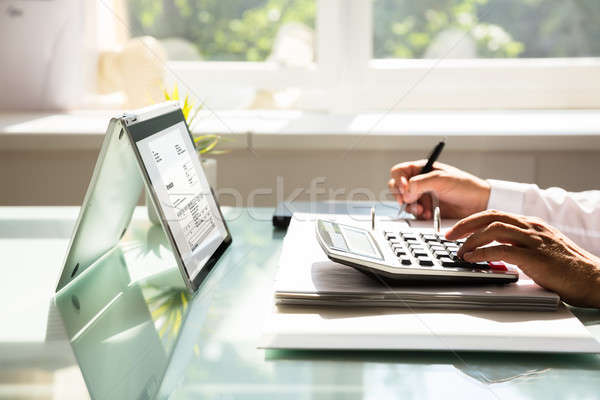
204,144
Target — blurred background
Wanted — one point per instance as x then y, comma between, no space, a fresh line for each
304,89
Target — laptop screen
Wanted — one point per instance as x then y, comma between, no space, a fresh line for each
181,189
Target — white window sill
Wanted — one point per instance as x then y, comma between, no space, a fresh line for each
296,130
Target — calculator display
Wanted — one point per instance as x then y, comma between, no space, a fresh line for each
348,239
358,242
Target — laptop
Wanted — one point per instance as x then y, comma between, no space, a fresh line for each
149,149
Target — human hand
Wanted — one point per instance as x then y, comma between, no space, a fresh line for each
460,193
546,255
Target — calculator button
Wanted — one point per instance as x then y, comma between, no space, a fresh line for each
405,261
419,254
400,252
430,238
409,236
497,266
438,248
425,261
440,254
481,265
458,263
447,262
419,250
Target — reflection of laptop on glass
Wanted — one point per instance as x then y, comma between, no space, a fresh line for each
149,148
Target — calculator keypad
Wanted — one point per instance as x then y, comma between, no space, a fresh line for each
429,250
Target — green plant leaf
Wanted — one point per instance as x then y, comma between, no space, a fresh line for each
217,152
203,141
187,108
205,144
209,147
191,120
202,137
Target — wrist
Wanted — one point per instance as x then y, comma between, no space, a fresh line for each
588,292
594,288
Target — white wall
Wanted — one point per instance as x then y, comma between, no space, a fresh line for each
61,177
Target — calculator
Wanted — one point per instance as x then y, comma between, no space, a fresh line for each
407,254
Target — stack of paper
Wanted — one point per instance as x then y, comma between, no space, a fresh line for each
306,276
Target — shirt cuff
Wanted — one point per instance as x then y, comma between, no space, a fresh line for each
507,196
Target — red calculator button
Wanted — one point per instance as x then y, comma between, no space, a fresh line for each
498,266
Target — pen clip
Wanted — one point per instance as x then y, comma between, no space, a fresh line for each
437,220
435,210
372,218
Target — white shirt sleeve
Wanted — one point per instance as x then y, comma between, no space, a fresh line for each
577,215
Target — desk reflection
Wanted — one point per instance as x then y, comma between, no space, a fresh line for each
125,315
121,329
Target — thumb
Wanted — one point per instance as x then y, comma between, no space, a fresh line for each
417,185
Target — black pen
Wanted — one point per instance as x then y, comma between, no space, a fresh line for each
435,154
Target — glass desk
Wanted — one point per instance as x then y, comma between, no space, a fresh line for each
131,330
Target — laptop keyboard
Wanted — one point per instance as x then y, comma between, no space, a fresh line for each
429,250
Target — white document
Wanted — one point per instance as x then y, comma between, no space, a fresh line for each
337,328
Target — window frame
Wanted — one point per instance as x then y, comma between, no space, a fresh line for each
345,78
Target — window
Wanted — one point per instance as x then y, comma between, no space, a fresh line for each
385,55
485,54
486,29
216,30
